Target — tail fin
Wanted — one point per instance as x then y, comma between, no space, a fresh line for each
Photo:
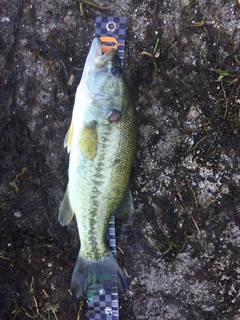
97,273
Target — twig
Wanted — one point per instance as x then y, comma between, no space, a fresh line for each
218,130
226,101
16,180
96,5
195,223
79,315
54,313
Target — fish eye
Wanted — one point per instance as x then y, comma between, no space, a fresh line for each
116,71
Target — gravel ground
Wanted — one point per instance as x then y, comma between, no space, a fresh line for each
182,245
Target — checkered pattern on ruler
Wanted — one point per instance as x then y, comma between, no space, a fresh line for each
105,306
119,33
111,236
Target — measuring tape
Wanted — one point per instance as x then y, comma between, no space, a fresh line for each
103,303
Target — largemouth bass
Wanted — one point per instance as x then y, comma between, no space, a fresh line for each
102,144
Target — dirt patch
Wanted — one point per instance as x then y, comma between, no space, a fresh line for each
182,245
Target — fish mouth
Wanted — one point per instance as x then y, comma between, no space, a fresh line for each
95,56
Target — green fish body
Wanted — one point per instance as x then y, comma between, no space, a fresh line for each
102,145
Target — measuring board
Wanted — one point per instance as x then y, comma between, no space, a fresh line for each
103,303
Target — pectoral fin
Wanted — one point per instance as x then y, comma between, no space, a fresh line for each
65,212
69,138
126,207
89,141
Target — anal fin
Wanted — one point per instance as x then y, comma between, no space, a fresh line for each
126,207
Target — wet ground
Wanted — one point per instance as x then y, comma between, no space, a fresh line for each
181,247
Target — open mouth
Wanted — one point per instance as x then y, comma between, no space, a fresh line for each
95,55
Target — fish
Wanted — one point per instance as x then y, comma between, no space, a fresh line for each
101,141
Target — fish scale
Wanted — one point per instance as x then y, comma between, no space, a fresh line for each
112,191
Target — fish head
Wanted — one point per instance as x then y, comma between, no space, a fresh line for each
103,82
